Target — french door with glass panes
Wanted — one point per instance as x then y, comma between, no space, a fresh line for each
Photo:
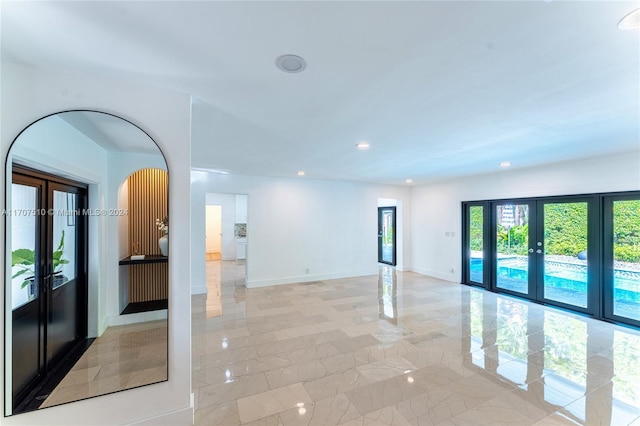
621,219
48,285
546,250
387,235
475,230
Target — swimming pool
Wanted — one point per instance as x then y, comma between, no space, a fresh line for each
566,283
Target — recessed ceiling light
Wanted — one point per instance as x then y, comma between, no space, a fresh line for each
631,21
291,63
505,164
409,180
362,145
300,173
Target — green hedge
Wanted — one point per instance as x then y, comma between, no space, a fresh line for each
566,230
626,230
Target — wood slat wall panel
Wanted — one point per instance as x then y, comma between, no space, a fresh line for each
148,201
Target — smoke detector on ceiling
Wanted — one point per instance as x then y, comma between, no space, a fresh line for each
291,63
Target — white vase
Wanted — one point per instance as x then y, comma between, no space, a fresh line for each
163,242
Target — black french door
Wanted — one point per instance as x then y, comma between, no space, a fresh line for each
546,250
387,235
578,252
621,218
542,249
48,288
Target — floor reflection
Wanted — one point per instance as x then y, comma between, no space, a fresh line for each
214,288
124,357
585,370
403,348
387,294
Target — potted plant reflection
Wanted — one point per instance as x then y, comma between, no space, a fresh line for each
25,259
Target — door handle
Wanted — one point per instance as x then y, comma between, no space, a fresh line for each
46,280
46,277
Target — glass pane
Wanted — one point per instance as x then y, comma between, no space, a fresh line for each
512,243
476,240
24,286
387,236
64,238
626,258
565,253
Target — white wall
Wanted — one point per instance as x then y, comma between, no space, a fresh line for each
30,93
327,227
241,208
436,208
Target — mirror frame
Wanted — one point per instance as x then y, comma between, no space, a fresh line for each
8,400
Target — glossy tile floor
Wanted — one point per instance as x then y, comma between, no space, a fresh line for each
400,349
214,288
124,357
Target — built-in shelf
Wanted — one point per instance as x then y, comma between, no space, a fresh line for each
150,258
151,305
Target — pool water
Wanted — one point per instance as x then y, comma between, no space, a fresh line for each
566,285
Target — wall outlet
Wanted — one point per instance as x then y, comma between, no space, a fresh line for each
306,271
451,270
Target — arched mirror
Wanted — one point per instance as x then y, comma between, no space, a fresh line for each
86,285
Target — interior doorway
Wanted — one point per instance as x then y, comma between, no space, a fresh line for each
225,244
213,232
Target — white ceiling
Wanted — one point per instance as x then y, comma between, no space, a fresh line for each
111,133
439,89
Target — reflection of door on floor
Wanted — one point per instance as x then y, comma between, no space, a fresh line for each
48,286
214,232
387,235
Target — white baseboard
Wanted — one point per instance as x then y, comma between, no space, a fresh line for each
182,417
309,278
450,277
